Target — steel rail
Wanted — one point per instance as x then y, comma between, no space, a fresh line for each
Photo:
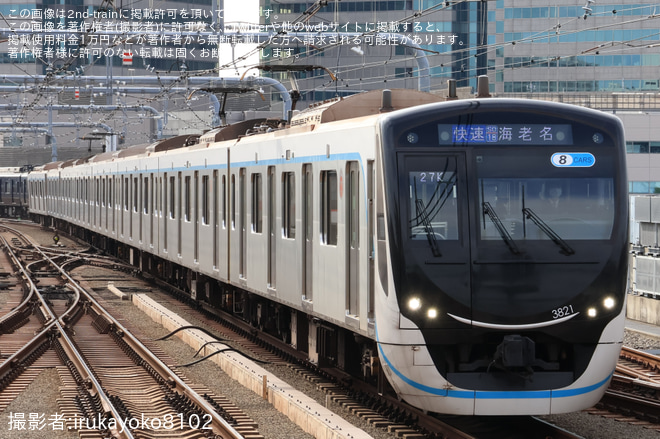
177,383
21,308
71,351
161,368
646,359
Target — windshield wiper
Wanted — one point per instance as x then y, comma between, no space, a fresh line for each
530,214
428,227
508,240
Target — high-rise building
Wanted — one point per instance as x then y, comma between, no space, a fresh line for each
558,46
451,36
573,46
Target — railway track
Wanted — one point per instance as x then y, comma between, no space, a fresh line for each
380,410
112,380
634,393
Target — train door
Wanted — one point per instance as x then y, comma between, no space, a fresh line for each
370,243
196,217
125,205
135,194
353,235
232,219
106,200
97,201
115,201
308,224
98,210
89,200
216,217
180,214
242,194
167,208
152,209
144,191
272,256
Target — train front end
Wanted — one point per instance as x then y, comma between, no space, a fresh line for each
501,255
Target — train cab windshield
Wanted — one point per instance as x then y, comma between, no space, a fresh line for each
433,205
529,202
535,200
534,208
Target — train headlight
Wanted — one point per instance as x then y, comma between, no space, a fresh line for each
432,313
608,303
591,312
414,303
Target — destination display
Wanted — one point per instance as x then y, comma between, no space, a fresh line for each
506,134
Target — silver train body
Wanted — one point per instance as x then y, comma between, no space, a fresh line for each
295,228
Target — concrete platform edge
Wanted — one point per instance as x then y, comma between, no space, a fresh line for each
309,415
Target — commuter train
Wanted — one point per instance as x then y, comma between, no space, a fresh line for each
13,192
473,252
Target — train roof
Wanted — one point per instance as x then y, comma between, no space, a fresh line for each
363,104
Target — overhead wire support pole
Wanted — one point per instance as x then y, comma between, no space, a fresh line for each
50,137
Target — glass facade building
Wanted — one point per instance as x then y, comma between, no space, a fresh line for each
560,47
584,47
451,38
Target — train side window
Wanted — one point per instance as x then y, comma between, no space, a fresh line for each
159,195
216,199
172,198
145,196
126,180
165,195
205,199
135,194
289,205
187,199
233,201
257,218
156,189
329,207
224,202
